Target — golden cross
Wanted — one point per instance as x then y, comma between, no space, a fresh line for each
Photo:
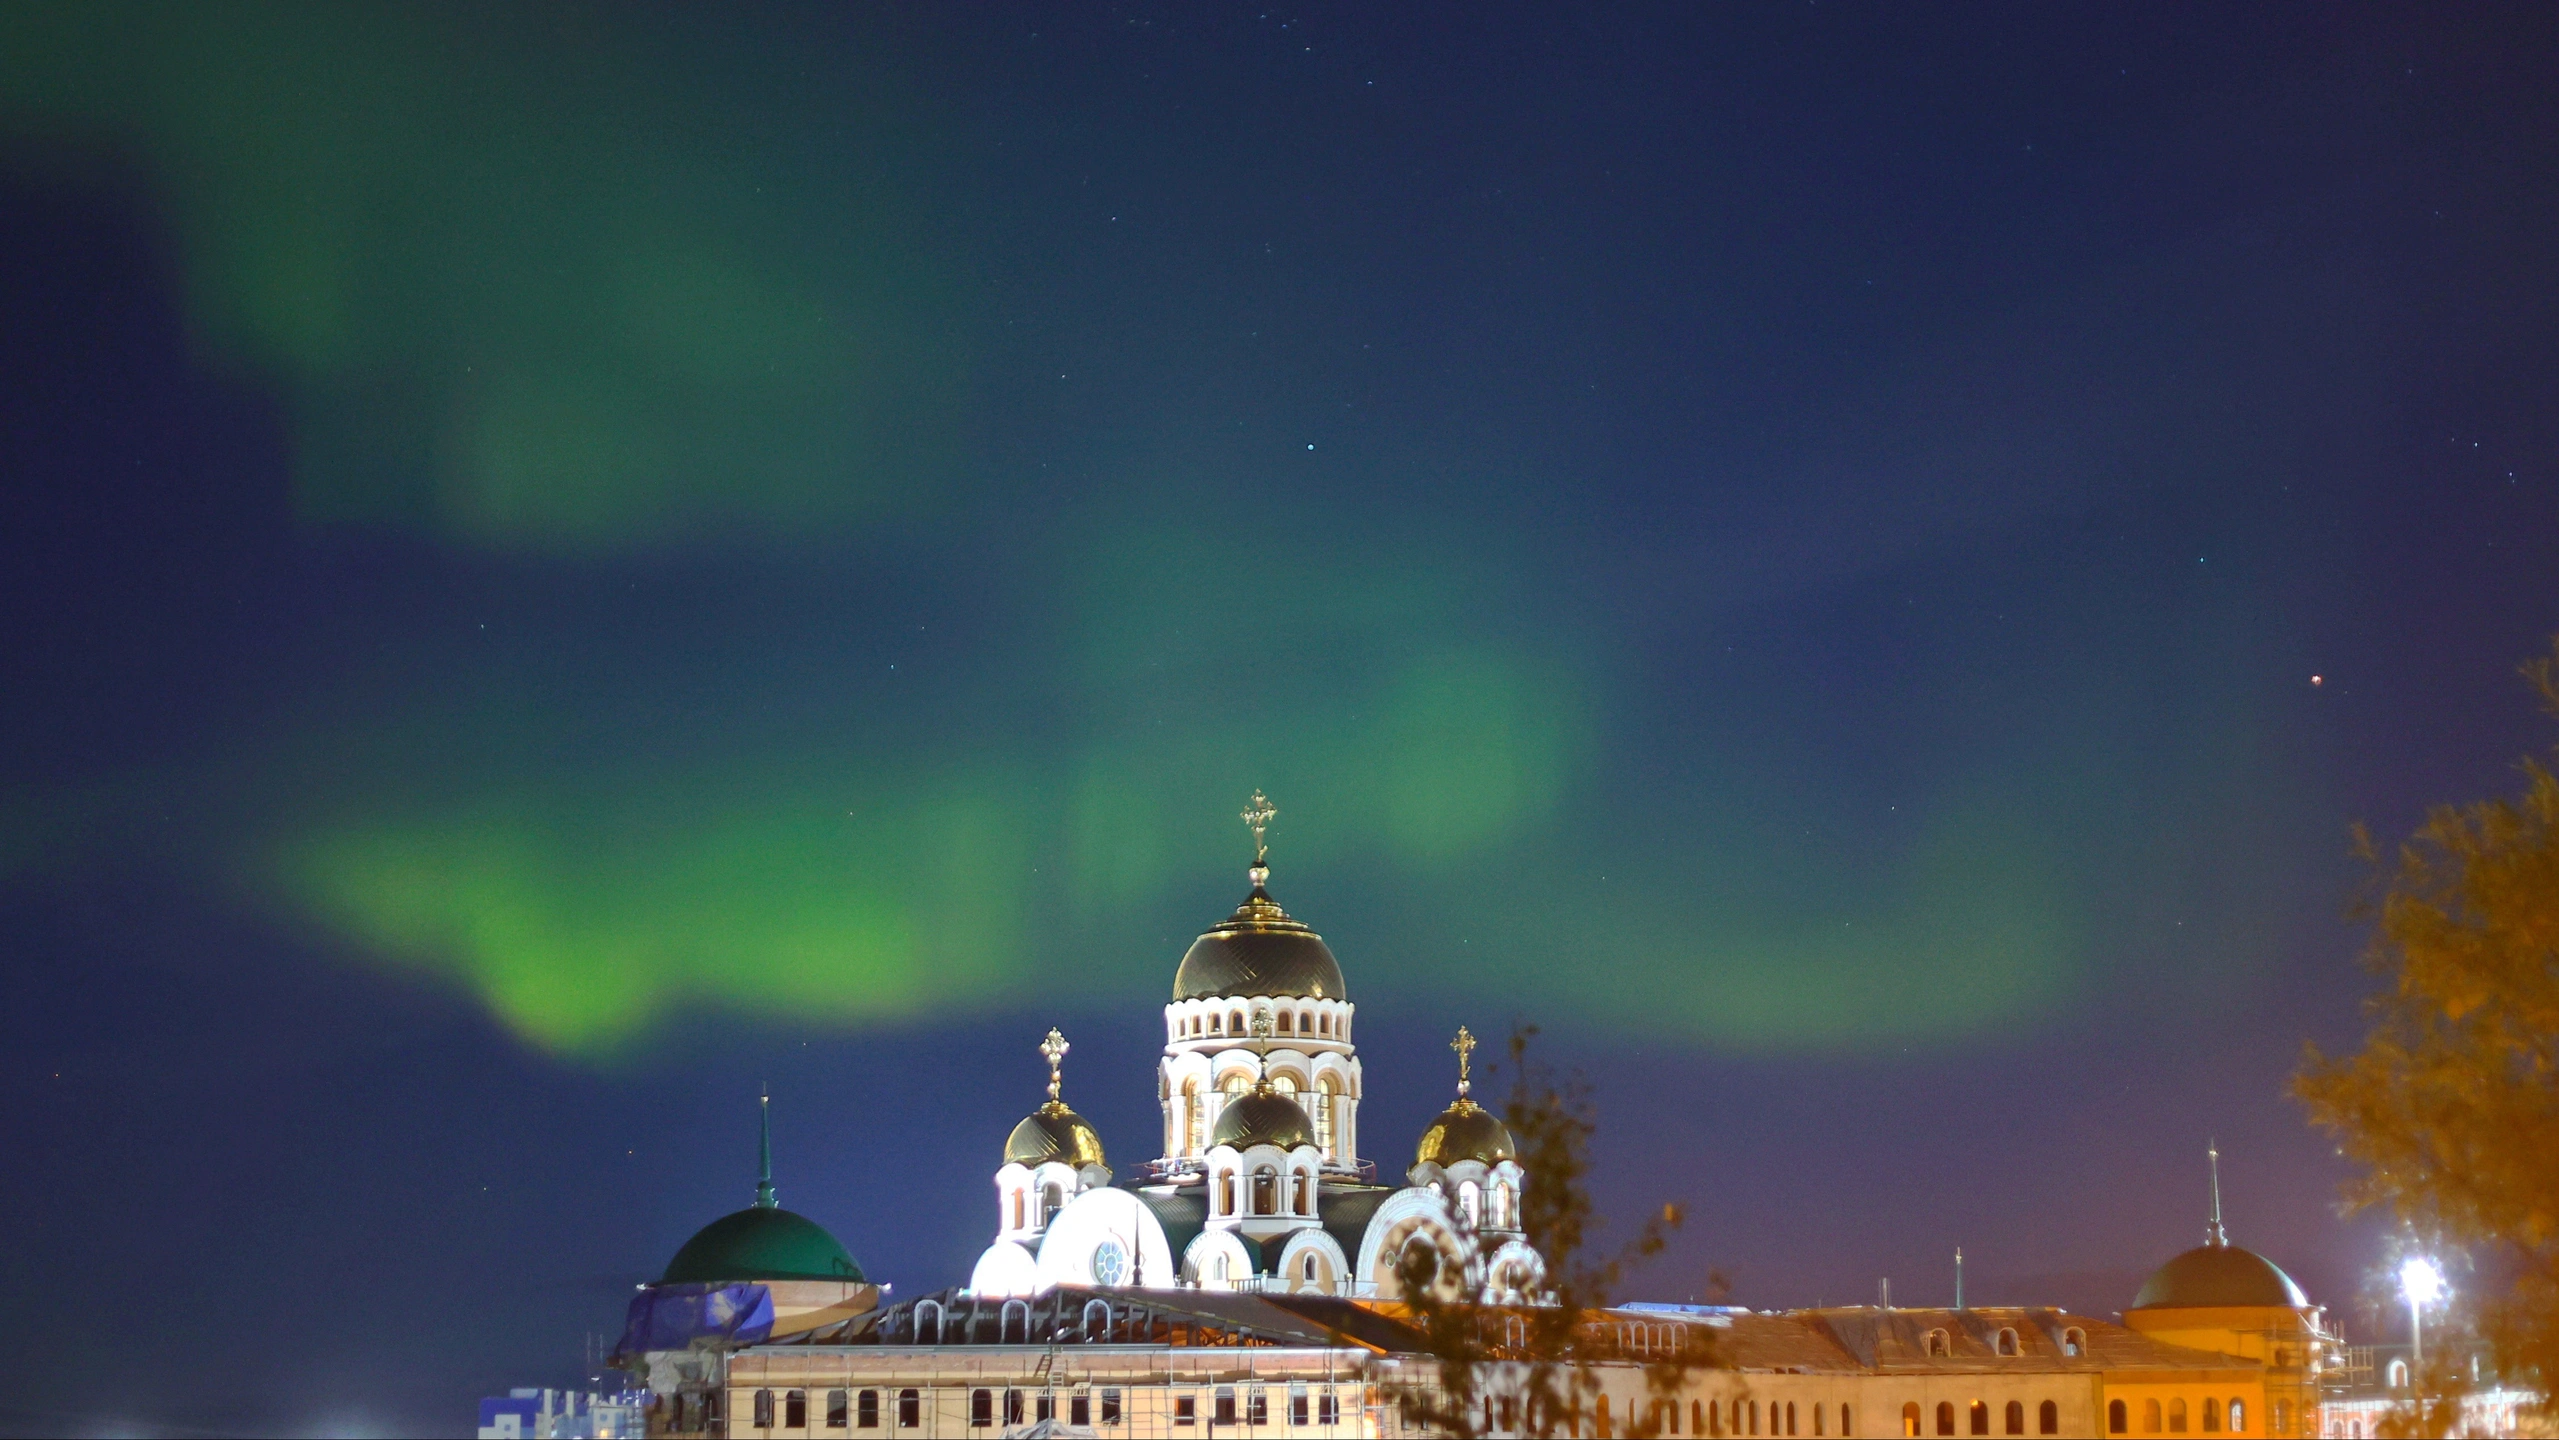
1261,1024
1464,1045
1054,1047
1259,815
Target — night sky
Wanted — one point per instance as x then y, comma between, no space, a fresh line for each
562,565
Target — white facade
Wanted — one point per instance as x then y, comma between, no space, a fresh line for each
1284,1202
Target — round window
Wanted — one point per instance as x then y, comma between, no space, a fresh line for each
1110,1263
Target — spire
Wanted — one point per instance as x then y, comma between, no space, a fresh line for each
764,1152
2213,1234
1259,815
1959,1277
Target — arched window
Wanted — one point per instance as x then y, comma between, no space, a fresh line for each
2238,1416
2074,1341
1191,1119
1052,1200
1945,1417
763,1409
1470,1202
1217,1024
1004,1323
2149,1417
1790,1417
2048,1418
1097,1320
1939,1344
1305,1023
2177,1417
2007,1342
1696,1418
795,1410
2115,1423
1305,1194
1235,1022
2212,1416
1977,1417
2398,1375
1265,1191
1217,1267
981,1408
1286,1019
2016,1418
1321,1112
1844,1427
1910,1418
928,1322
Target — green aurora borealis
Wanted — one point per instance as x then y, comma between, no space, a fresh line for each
807,638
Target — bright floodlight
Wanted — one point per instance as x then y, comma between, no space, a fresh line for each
2421,1280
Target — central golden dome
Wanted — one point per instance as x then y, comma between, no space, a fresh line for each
1053,1132
1259,951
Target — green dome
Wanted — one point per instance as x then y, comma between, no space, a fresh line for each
762,1242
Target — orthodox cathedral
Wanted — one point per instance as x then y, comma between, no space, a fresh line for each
1260,1184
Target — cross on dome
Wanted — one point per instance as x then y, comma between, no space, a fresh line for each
1259,815
1464,1045
1054,1049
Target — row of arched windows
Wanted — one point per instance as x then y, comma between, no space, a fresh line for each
1030,1212
845,1410
1264,1192
1197,1116
1502,1213
2170,1418
1976,1418
1709,1418
1312,1024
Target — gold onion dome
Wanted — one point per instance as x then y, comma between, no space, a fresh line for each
1263,1116
1257,951
1053,1132
1465,1131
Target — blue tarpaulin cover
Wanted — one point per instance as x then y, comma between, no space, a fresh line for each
672,1317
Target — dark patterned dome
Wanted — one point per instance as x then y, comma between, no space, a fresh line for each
1257,951
2218,1276
1263,1116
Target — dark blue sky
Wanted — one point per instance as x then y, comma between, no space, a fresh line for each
566,563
